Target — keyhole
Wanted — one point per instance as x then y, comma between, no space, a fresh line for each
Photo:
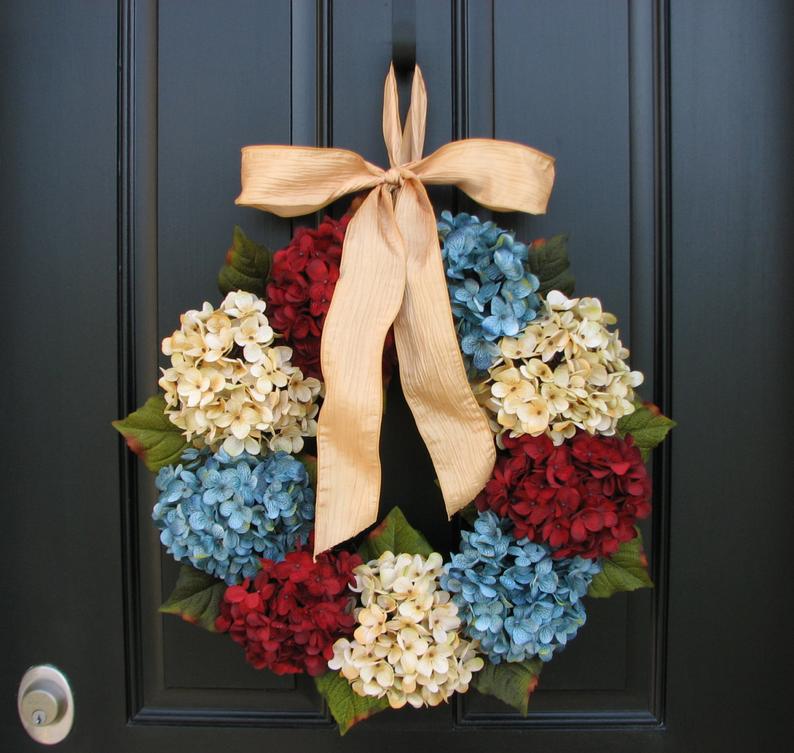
39,717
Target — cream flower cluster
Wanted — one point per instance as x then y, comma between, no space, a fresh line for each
228,385
565,370
406,645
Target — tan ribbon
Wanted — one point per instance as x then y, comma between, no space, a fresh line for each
392,273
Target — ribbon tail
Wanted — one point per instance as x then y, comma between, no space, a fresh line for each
366,300
432,373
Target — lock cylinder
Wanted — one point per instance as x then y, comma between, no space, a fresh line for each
45,704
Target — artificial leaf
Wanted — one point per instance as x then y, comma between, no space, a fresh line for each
469,513
394,534
548,261
247,266
310,462
196,598
647,426
626,570
347,708
151,435
511,682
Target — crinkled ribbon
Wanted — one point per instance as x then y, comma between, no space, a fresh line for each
392,273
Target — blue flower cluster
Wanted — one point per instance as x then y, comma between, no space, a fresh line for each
490,287
223,514
512,596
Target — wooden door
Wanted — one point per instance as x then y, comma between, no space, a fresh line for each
121,126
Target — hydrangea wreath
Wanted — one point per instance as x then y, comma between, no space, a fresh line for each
392,623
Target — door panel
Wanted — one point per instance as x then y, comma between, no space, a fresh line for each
218,86
578,110
120,137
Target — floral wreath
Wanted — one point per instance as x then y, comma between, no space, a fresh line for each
389,622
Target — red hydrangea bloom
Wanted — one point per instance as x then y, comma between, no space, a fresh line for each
289,618
581,498
298,295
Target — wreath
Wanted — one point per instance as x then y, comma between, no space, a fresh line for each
382,620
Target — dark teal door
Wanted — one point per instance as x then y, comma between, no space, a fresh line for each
120,130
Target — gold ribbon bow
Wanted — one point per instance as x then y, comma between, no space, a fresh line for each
392,273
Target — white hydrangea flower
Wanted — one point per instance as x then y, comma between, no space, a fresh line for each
565,371
406,646
228,386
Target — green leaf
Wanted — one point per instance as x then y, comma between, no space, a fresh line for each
196,598
647,426
347,708
394,534
247,266
548,261
311,467
151,435
469,513
511,682
626,570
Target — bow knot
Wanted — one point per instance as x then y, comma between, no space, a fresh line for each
396,176
392,275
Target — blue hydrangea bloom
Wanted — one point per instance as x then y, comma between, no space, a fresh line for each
512,596
491,290
223,514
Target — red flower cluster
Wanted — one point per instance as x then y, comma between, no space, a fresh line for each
296,610
582,498
300,289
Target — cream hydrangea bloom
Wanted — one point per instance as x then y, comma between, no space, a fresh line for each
406,646
229,386
565,371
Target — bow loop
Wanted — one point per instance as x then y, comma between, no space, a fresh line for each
392,274
415,122
404,145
